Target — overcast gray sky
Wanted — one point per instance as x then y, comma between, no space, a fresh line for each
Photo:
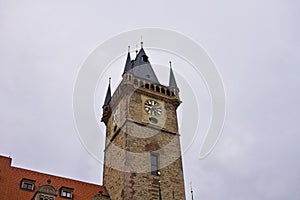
255,45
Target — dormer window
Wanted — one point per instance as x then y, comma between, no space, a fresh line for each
27,184
144,58
66,192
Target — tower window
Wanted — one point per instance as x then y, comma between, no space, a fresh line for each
152,87
168,92
27,184
141,83
154,164
157,89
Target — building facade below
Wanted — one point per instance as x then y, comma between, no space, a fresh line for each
22,184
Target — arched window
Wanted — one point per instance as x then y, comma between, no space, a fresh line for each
152,87
168,92
142,84
157,89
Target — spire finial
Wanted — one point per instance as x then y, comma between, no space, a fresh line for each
109,80
128,48
170,64
142,43
136,49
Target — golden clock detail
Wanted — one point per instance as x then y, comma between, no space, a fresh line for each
152,107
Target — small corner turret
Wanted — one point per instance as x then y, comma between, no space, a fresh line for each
172,81
106,107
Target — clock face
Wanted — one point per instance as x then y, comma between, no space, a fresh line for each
152,107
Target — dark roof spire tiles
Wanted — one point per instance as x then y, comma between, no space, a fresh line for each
142,68
108,94
172,81
128,64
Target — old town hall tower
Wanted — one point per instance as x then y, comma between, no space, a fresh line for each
142,156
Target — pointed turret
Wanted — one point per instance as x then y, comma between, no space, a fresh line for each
142,67
172,81
128,64
108,94
106,107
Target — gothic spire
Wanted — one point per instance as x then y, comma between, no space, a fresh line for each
128,64
142,67
172,81
108,94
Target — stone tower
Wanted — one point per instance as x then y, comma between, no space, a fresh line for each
142,150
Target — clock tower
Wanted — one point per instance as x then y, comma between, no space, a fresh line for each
142,156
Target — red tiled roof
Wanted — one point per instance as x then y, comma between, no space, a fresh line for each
10,179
